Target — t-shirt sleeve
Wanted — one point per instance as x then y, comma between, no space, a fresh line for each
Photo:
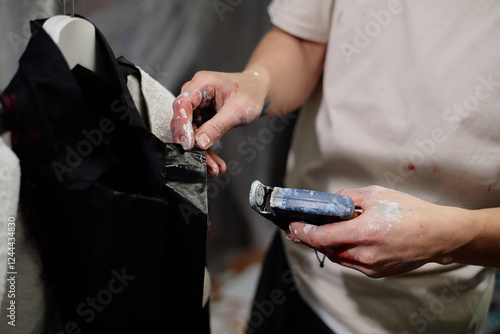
309,19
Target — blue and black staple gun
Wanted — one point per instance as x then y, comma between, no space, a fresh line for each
284,205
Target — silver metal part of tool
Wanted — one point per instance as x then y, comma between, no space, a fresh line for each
257,196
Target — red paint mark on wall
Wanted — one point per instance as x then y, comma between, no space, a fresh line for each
411,166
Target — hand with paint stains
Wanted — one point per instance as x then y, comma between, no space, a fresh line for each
211,104
396,233
280,76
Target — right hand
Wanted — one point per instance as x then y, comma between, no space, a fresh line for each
212,103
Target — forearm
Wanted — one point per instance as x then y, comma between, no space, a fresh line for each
289,67
477,235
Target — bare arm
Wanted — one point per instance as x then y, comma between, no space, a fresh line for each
290,68
481,232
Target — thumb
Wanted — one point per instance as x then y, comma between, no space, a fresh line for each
226,118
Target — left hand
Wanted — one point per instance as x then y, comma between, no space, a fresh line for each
396,233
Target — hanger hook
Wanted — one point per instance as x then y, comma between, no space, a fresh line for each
72,8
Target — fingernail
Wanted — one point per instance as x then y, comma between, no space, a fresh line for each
184,142
203,140
291,235
214,170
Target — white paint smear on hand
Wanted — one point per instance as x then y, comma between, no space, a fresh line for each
308,227
386,213
188,131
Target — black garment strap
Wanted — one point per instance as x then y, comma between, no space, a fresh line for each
129,68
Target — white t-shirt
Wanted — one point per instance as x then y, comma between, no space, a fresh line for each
410,101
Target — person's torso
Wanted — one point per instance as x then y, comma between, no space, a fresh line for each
409,101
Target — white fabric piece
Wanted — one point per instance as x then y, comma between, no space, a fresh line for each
409,100
10,177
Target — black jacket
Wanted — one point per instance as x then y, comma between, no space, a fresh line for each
120,217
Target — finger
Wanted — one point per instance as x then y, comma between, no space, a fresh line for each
212,166
343,252
220,163
290,236
229,116
335,234
181,125
349,262
175,138
352,263
338,255
184,106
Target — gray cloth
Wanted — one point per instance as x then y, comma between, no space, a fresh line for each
10,174
154,103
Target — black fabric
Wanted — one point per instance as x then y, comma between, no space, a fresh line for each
278,308
120,217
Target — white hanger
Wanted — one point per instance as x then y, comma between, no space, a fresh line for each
76,39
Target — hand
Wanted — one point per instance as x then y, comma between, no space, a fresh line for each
396,233
211,104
